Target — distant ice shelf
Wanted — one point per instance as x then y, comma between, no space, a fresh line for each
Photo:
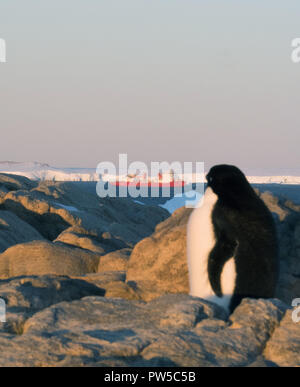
39,171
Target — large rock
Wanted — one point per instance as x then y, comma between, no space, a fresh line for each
283,349
74,236
41,257
158,264
174,330
100,241
13,230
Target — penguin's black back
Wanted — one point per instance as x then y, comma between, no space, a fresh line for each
244,229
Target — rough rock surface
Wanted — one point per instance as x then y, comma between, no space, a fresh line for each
73,236
283,348
42,257
106,313
173,330
24,296
115,261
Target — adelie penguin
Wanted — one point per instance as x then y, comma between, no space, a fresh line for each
231,242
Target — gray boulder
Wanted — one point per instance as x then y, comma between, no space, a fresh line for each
54,207
25,296
13,230
42,257
158,264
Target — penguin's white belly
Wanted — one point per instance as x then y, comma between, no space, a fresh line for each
200,241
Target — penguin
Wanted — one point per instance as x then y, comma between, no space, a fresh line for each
232,245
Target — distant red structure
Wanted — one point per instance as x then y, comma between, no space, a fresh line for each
137,181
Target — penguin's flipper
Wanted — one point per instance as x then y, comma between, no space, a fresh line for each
220,254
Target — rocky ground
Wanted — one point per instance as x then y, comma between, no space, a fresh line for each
104,282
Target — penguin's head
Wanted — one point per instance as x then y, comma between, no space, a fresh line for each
228,181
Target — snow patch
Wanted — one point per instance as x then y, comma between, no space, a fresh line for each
138,202
68,208
181,200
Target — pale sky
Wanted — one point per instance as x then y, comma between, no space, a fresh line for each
175,80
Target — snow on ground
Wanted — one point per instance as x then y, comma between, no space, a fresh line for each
190,200
139,202
38,171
